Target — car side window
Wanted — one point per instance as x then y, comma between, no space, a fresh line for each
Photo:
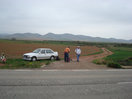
49,51
43,52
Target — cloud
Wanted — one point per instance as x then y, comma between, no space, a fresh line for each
104,18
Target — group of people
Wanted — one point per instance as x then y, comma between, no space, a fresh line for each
67,51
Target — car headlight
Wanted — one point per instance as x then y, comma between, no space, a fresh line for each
26,56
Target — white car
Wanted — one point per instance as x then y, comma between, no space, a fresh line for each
40,53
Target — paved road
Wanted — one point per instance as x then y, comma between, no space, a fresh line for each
66,84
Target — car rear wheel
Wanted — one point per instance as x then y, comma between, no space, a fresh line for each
52,58
34,59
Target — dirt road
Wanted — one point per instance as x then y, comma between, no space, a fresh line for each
85,62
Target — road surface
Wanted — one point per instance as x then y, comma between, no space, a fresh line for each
66,84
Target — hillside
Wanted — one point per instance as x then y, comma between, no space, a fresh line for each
64,37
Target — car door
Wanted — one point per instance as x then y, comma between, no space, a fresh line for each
42,54
49,53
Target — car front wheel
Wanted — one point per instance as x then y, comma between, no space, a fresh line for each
34,59
52,58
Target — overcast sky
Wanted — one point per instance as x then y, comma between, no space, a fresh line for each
98,18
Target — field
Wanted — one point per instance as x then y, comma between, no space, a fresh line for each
14,51
122,55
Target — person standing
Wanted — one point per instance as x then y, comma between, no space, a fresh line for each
66,54
3,58
78,52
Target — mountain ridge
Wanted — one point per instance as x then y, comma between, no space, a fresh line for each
61,37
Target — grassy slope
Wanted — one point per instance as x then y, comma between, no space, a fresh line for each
121,55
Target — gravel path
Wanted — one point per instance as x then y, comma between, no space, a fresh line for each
85,62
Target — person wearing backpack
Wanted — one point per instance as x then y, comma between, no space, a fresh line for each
78,52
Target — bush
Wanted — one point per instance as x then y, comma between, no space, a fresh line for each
47,63
114,65
99,61
126,62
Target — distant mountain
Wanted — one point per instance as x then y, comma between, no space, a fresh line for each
71,37
64,37
23,36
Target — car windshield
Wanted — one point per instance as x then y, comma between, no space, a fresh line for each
36,51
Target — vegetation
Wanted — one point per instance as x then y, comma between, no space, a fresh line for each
114,65
81,43
122,52
101,51
21,64
121,56
99,61
48,62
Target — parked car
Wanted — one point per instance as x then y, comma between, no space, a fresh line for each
40,53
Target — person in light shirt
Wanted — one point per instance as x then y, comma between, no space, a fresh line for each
78,52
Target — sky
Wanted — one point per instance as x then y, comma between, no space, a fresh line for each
97,18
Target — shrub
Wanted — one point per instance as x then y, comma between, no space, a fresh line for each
47,63
114,65
99,61
126,62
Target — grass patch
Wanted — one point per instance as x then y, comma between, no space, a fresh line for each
101,51
22,64
114,65
120,56
48,62
99,61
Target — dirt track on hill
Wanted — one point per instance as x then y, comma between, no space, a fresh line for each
85,62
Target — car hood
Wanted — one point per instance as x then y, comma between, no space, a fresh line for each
31,54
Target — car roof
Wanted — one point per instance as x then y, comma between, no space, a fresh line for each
45,48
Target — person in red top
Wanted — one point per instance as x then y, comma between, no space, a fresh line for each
66,54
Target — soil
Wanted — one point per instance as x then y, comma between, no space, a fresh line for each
17,49
2,64
84,63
